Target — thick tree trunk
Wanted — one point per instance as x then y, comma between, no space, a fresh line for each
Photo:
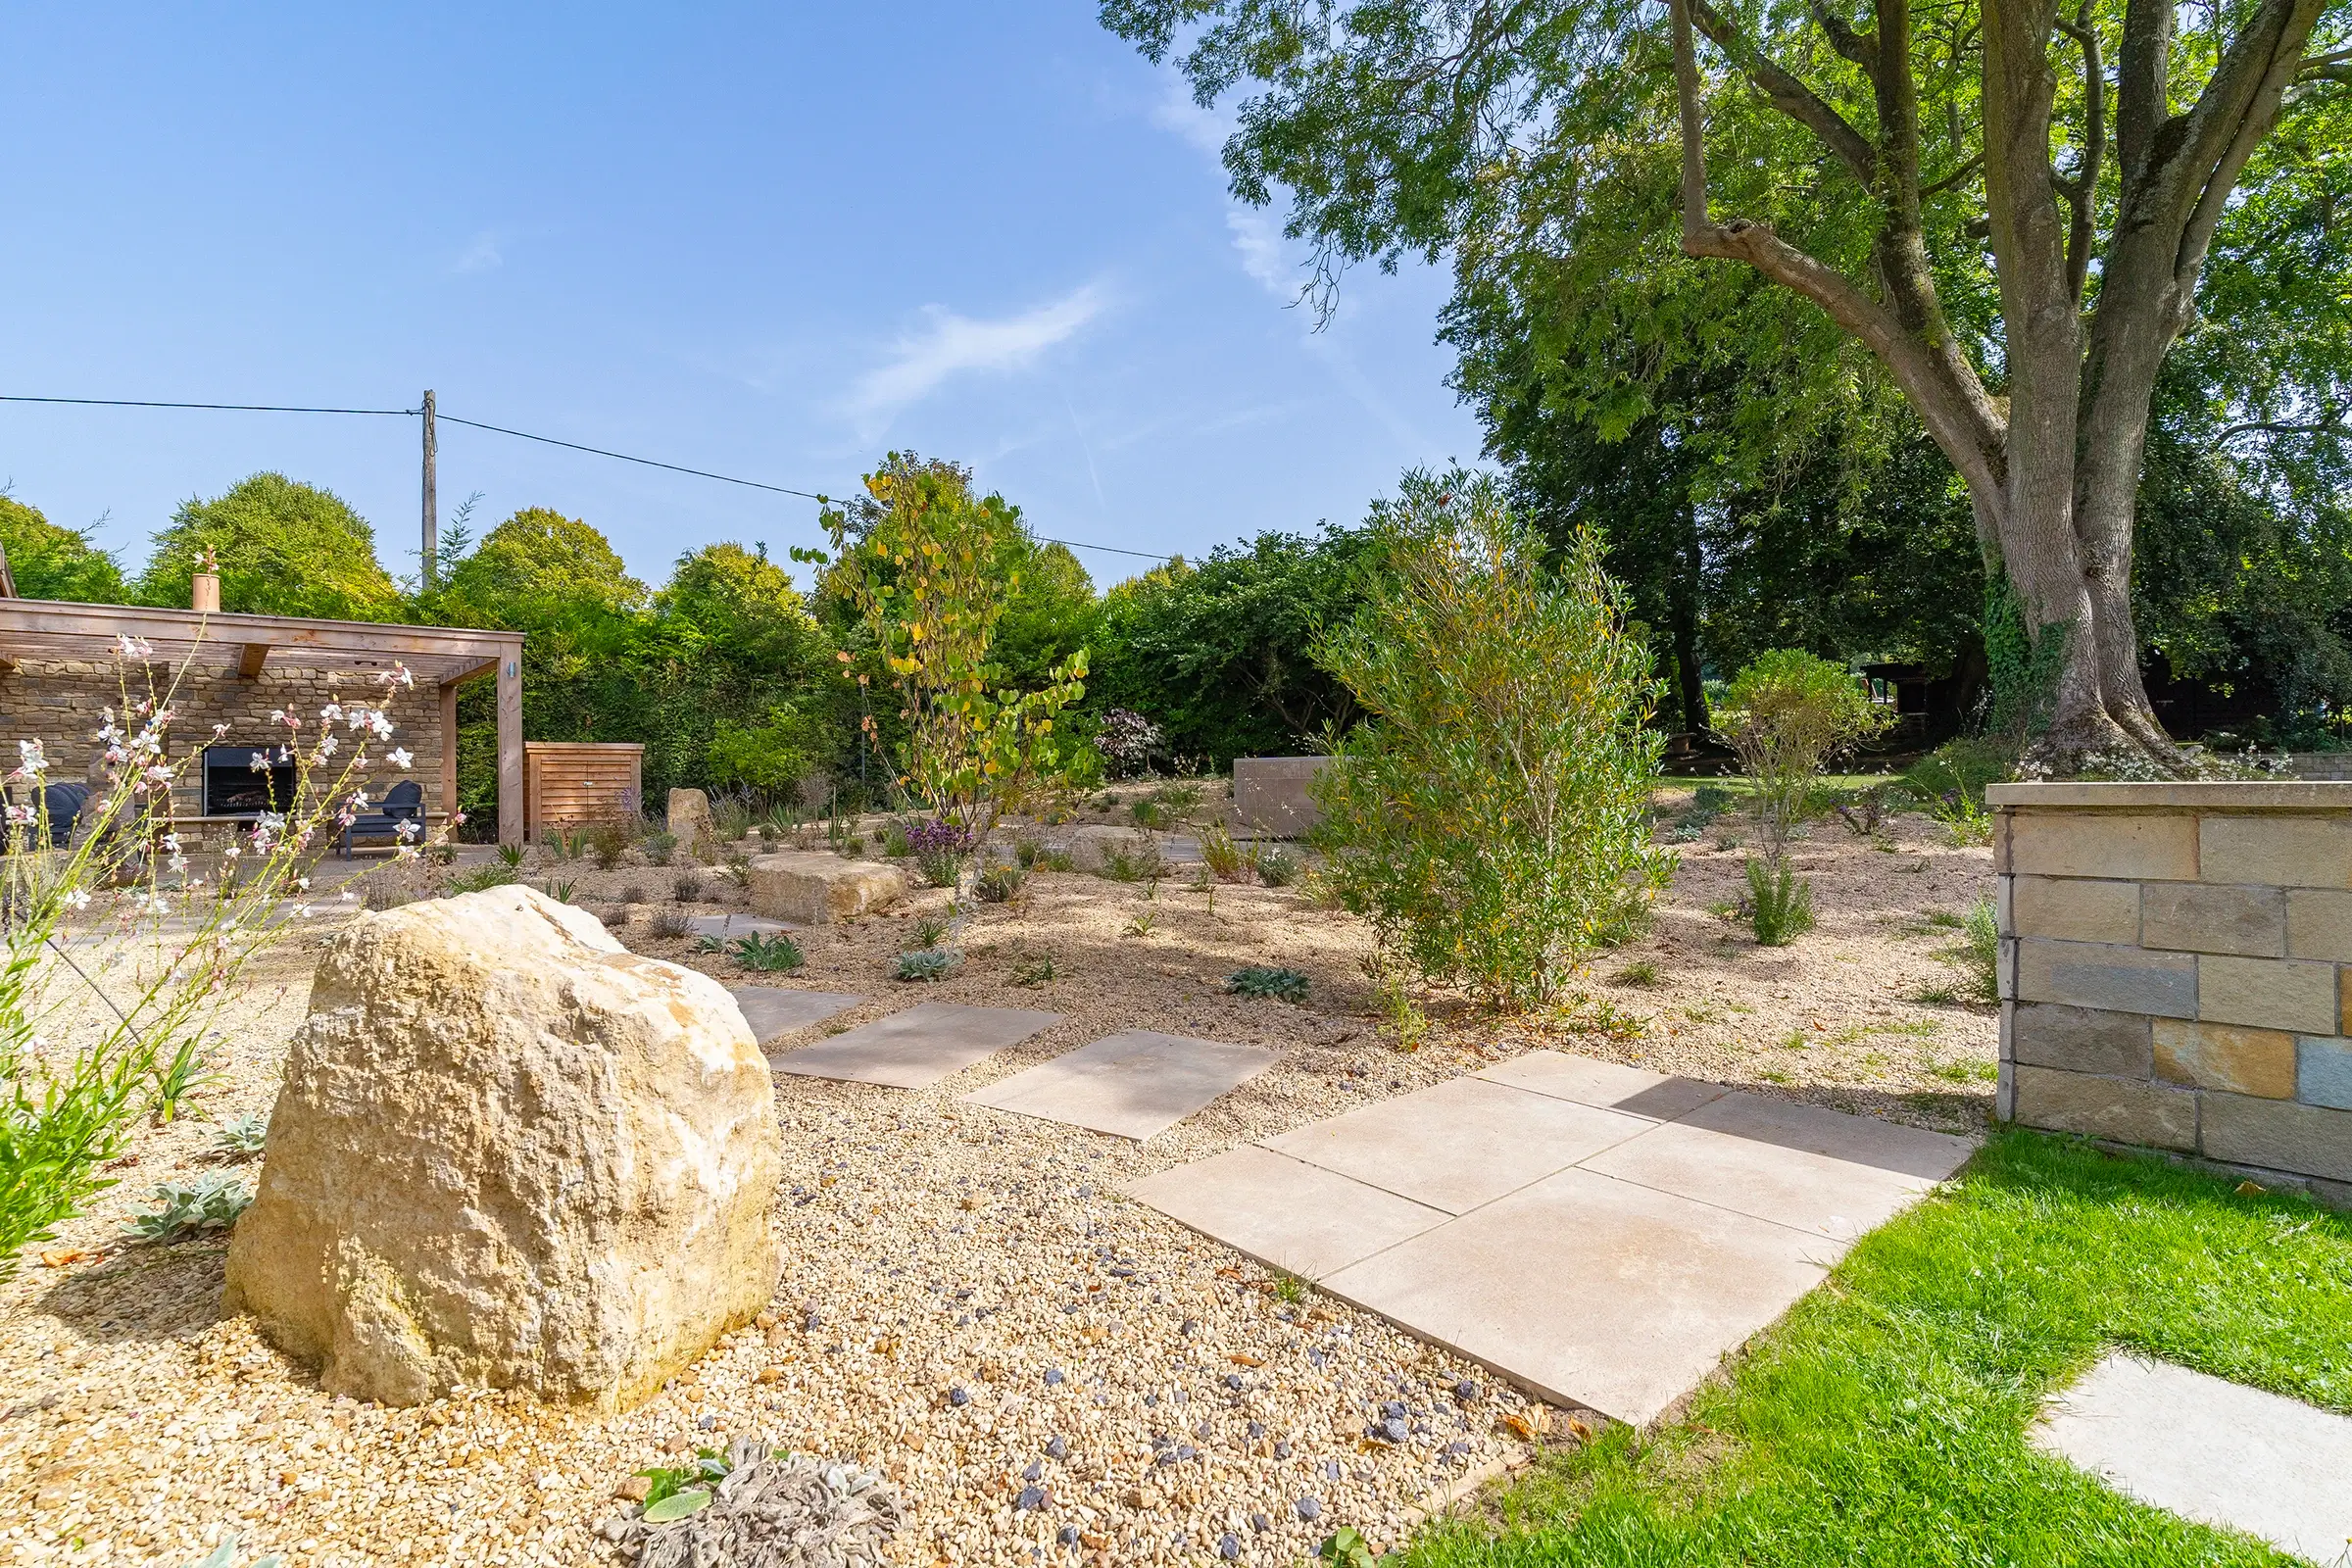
1684,594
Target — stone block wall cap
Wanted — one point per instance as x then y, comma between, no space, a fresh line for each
2217,795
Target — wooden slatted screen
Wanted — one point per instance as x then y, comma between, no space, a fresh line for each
571,783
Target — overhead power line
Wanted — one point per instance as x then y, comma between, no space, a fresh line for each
525,435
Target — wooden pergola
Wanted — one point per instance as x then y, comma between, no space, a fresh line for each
221,644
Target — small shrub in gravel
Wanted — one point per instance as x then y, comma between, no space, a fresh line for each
767,1511
771,953
1000,883
939,850
687,888
634,892
925,964
659,848
1277,868
1259,980
213,1204
672,923
1780,902
243,1138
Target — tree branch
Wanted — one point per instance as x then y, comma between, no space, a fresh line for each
1788,95
2081,192
1966,169
2329,422
1862,48
2336,66
2243,97
2142,84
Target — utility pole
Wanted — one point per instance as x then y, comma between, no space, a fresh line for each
432,508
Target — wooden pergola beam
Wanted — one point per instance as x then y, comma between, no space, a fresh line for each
250,660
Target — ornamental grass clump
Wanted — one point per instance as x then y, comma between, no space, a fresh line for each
115,891
1491,818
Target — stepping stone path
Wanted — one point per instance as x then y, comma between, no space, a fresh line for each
727,927
2211,1450
1597,1234
1132,1084
918,1047
773,1011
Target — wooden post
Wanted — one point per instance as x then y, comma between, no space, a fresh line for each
448,748
432,505
509,748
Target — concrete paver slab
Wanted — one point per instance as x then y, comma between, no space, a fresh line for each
918,1047
727,927
773,1011
1459,1144
1132,1084
1591,1291
1610,1085
2211,1450
1282,1212
1799,1165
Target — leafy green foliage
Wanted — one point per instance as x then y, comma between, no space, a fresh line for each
1278,867
925,964
284,549
243,1138
1260,980
922,564
693,1482
1000,883
1978,957
182,1207
47,562
1490,819
1037,970
1780,902
1217,654
178,1078
483,877
771,953
1787,714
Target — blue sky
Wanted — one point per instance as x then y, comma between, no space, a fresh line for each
767,241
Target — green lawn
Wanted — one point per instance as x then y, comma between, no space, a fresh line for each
1883,1421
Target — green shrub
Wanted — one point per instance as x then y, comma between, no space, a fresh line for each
773,952
607,842
1978,957
1786,715
1226,860
483,877
1278,867
1259,980
659,848
999,883
925,964
212,1203
1780,902
1492,814
1138,861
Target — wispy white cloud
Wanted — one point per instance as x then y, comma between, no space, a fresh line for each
1204,129
948,344
1256,233
1257,236
482,255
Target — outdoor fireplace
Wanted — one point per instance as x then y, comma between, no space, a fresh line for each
235,786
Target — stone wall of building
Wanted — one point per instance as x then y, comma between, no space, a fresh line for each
58,704
2177,969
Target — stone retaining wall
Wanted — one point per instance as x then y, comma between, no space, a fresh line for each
2177,969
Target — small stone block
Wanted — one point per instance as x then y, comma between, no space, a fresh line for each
2229,1056
2319,924
2075,910
1131,1084
2104,844
2323,1072
2155,1114
2089,974
2202,918
2307,1140
814,888
2287,852
2046,1034
2268,993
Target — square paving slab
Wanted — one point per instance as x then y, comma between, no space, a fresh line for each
2211,1450
773,1011
727,927
1599,1235
918,1047
1459,1144
1590,1291
1132,1084
1800,1165
1286,1214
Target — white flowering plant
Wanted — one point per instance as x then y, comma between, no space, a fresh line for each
119,949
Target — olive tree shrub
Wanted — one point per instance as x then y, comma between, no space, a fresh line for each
1787,714
117,952
1490,818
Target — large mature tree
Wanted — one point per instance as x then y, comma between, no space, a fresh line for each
284,548
47,562
1948,142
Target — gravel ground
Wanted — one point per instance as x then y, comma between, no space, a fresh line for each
1044,1371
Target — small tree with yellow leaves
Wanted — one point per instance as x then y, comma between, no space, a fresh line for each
929,569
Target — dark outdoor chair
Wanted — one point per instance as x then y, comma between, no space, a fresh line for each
63,804
403,801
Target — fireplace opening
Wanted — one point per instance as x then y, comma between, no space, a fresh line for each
235,786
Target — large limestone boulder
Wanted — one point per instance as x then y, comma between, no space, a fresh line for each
510,1154
810,887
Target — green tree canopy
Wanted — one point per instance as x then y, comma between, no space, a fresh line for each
539,569
48,561
284,548
738,604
